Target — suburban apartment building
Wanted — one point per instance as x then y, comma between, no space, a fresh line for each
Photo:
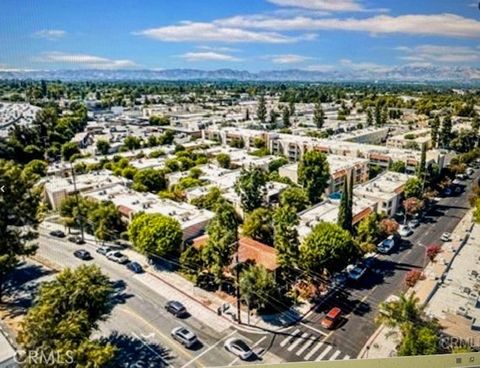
130,202
417,139
340,168
382,194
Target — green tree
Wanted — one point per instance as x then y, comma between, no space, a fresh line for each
66,313
345,215
251,188
327,248
273,116
223,160
106,221
286,117
19,204
69,149
476,212
313,174
103,146
222,241
257,287
149,180
368,231
422,166
369,117
318,116
295,197
261,109
291,107
155,234
446,132
258,225
158,120
285,222
276,164
132,142
413,188
378,114
435,131
397,166
210,200
36,167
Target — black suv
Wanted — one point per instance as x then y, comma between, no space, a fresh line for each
83,254
176,308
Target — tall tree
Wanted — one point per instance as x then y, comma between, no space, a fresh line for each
286,117
413,188
378,114
313,174
258,225
257,287
446,131
345,215
261,109
369,121
422,166
19,203
273,116
434,131
291,107
251,188
285,221
294,197
69,149
318,116
103,146
66,313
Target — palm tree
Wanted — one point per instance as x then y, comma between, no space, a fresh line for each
399,312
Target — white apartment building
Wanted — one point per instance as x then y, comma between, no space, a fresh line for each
416,139
129,202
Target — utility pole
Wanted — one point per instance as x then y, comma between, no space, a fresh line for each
237,275
77,201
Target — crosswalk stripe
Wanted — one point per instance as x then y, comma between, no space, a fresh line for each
346,357
298,341
305,347
335,355
288,338
325,352
314,350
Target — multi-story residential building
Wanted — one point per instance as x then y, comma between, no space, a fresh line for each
416,140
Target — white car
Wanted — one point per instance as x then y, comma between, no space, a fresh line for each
355,272
117,256
446,237
239,348
184,336
413,223
405,230
386,245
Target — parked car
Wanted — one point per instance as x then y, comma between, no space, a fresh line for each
387,245
331,318
83,254
413,223
135,267
369,260
355,272
117,256
57,233
104,250
239,348
339,279
184,336
446,237
176,308
405,230
76,239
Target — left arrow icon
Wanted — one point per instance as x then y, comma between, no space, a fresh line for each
2,188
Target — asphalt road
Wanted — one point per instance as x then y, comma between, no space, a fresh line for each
139,322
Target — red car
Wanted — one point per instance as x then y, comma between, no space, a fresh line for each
331,319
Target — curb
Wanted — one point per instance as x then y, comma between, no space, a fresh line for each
369,342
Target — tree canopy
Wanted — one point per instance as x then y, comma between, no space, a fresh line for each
251,188
313,174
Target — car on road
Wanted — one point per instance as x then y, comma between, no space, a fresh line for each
339,279
117,256
405,230
83,254
239,348
413,223
176,308
104,250
331,318
387,245
76,240
447,192
184,336
370,260
135,267
57,233
446,237
356,272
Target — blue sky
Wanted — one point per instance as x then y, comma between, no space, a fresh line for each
239,34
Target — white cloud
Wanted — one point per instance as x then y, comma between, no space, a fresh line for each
50,34
210,32
84,60
440,54
366,66
328,5
320,68
287,58
208,56
218,48
450,25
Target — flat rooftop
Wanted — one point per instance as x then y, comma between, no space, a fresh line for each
96,179
384,185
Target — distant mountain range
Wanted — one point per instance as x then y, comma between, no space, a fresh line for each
458,74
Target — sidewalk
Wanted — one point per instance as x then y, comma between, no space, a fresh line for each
171,285
383,342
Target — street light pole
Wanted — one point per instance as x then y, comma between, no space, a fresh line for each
77,201
237,275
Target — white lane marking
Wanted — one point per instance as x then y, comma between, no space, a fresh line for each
288,338
314,350
298,341
206,351
346,357
253,346
335,355
314,329
325,352
305,346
